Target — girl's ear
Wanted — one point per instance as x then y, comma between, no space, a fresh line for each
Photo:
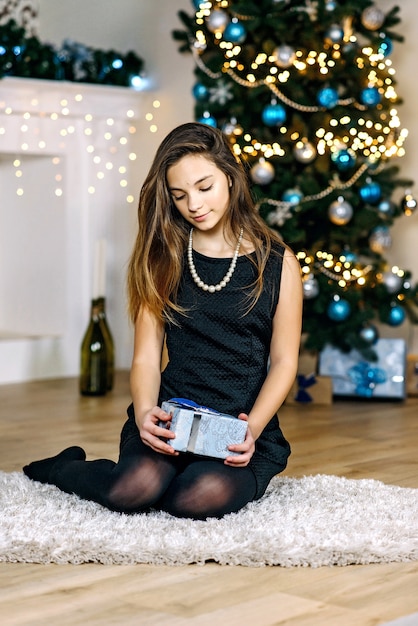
229,181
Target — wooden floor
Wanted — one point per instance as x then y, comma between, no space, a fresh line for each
354,439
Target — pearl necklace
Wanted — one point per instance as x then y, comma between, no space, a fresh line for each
199,282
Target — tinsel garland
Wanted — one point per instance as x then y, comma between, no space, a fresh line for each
26,56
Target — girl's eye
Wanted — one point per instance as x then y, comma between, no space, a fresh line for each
207,188
178,198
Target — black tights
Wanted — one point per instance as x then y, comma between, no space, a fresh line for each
185,485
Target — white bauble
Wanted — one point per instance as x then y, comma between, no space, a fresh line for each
310,288
217,21
340,212
304,152
262,173
284,56
372,18
392,282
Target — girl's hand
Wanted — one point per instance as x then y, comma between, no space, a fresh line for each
151,432
246,449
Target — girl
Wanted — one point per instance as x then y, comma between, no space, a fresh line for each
209,278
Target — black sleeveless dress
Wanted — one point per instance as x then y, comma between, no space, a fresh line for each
218,353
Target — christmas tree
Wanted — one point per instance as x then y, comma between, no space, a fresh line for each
305,91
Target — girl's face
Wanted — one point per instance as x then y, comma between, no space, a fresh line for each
200,191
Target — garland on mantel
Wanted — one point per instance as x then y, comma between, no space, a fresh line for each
26,56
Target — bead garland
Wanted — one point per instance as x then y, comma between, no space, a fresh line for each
199,282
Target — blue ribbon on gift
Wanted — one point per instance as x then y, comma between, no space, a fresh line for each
304,382
366,377
190,404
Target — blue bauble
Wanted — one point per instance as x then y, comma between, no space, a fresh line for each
396,315
386,207
209,120
369,334
273,115
385,47
200,92
370,192
327,97
338,310
370,96
293,196
235,32
335,33
343,159
350,257
197,3
330,5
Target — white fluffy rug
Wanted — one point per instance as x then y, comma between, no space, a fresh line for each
310,521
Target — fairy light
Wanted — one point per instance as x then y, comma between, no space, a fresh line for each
58,139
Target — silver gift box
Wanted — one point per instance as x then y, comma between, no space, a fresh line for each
202,430
352,375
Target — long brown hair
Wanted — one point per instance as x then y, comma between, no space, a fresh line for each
156,263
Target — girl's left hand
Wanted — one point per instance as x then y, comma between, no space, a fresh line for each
245,449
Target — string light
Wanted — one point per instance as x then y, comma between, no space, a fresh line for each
50,131
337,269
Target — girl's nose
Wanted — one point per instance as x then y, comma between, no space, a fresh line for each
195,202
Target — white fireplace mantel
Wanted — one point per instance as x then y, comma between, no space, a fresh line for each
68,177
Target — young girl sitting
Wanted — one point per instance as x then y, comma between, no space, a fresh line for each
208,278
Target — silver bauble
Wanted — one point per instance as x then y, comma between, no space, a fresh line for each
409,203
392,282
217,21
284,56
372,18
232,128
304,152
340,212
262,173
310,288
380,239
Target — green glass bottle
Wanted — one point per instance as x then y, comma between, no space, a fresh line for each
93,367
110,347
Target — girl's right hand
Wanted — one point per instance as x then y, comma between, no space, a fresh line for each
151,433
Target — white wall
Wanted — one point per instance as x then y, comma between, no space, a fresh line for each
405,230
145,26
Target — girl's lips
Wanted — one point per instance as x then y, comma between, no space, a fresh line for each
199,218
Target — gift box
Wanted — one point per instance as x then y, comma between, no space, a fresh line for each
310,389
412,375
202,430
352,375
